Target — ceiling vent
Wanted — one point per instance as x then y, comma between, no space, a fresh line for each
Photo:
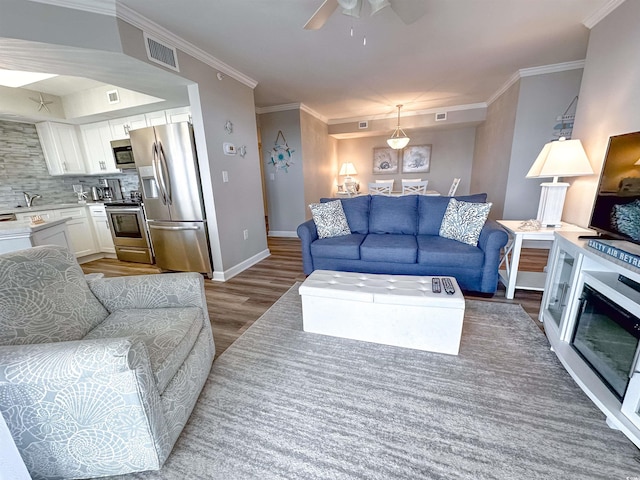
113,96
363,124
160,53
441,116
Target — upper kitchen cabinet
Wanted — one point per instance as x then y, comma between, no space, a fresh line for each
156,118
120,126
96,140
176,115
61,148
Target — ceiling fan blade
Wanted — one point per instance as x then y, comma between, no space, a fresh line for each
409,10
323,13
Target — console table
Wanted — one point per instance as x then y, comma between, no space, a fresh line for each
510,276
574,269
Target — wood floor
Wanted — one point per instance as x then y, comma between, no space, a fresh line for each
234,305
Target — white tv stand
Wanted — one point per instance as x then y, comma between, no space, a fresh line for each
572,265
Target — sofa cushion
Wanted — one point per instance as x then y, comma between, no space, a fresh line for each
45,297
463,221
431,211
345,246
330,219
438,251
394,214
356,210
389,247
168,333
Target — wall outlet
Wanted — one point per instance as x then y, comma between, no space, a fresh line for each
272,176
225,176
229,148
246,234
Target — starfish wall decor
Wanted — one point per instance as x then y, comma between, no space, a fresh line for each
42,103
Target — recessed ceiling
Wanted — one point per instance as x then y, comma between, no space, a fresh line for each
460,52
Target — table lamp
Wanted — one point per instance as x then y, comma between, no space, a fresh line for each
348,169
561,158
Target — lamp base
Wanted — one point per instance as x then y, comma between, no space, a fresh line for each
551,203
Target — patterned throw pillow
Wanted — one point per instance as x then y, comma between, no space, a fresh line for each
463,221
330,219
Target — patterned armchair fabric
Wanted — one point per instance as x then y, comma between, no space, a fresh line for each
97,379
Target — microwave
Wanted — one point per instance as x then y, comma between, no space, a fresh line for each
123,154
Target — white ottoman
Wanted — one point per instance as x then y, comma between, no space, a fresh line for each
399,310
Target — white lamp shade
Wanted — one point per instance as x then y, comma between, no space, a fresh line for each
347,168
398,142
562,158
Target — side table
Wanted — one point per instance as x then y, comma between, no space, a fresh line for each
510,276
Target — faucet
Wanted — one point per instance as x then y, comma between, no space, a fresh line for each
30,198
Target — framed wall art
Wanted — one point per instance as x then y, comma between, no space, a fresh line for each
385,160
416,159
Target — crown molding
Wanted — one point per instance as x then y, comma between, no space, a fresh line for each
116,9
530,72
292,106
102,7
595,18
134,18
407,113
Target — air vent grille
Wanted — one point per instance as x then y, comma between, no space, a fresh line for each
441,116
160,53
113,96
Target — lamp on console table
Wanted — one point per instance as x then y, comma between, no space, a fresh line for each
347,168
560,158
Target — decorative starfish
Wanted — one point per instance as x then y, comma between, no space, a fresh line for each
42,103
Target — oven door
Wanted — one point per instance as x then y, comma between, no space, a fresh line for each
127,226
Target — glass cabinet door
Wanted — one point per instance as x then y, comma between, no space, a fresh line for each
560,285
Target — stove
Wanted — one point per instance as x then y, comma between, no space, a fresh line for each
128,226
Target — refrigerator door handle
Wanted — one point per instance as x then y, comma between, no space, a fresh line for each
159,227
163,170
156,171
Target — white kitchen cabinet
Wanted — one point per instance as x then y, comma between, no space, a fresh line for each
96,140
46,215
80,229
120,126
176,115
156,118
61,148
101,229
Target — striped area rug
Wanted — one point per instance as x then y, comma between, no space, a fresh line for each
284,404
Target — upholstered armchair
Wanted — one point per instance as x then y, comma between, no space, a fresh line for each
97,378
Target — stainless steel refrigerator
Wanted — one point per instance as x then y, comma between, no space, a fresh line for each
167,163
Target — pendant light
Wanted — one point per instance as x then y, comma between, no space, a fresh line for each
399,139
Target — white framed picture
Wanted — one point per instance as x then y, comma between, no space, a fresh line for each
385,160
416,159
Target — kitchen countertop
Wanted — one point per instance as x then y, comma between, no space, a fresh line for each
53,206
22,227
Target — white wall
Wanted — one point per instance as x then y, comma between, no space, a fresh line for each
493,143
285,189
319,154
609,99
451,156
541,99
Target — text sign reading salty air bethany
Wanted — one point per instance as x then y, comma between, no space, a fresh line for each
626,252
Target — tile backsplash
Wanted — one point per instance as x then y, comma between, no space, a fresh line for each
22,169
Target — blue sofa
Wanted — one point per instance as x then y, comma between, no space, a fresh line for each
400,235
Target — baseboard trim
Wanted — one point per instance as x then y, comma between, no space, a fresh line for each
223,276
282,233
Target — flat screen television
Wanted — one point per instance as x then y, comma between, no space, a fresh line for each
616,211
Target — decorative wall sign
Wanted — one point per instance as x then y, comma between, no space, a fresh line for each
385,160
281,154
416,159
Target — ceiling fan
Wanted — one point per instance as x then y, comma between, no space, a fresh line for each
408,10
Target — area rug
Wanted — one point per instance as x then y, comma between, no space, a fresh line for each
284,404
